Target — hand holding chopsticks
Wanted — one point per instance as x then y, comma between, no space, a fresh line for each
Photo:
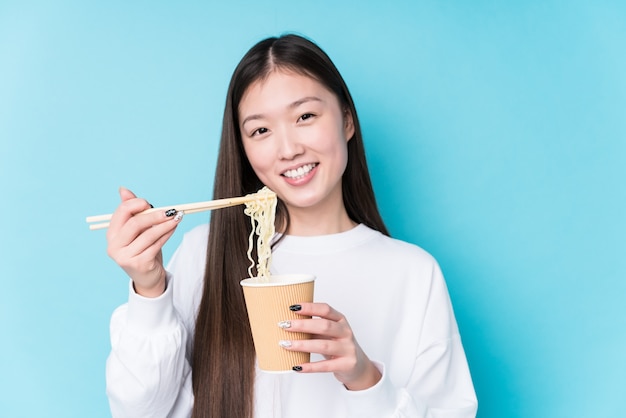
102,221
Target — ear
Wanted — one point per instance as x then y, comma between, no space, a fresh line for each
348,124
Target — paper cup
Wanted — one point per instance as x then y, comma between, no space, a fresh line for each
268,303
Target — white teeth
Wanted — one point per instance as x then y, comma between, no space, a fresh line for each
300,172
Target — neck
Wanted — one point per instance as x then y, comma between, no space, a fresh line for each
305,222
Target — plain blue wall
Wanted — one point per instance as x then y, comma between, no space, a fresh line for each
497,140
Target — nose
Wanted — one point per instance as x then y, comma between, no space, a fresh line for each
288,145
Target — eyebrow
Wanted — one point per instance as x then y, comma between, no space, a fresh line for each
293,105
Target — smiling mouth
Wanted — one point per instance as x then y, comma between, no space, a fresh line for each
299,172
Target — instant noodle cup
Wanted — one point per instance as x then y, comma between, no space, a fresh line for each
268,301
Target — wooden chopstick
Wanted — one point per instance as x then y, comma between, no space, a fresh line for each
101,221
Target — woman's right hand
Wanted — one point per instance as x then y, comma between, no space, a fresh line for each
135,241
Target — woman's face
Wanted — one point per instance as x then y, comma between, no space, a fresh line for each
295,136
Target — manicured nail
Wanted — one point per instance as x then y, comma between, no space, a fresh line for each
295,308
170,212
284,343
297,368
179,216
284,324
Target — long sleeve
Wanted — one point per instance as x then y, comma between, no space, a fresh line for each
147,368
439,384
148,371
387,400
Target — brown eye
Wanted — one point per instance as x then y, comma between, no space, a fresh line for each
306,116
260,131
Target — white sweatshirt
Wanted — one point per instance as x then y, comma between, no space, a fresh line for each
391,292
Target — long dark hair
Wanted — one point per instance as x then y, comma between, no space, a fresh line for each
223,354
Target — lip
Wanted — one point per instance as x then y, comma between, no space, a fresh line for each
300,180
297,166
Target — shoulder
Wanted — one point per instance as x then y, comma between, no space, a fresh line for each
395,248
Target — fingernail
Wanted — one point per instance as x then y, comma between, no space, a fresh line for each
179,216
297,368
284,324
284,343
295,308
170,212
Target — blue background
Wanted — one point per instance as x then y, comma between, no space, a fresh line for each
496,134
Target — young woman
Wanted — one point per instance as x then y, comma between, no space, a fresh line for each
385,341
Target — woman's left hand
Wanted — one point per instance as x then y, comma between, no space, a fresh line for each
331,337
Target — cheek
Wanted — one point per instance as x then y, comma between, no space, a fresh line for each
258,158
329,138
336,145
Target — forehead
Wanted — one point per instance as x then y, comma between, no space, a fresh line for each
280,89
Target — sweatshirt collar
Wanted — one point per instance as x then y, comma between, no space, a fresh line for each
322,244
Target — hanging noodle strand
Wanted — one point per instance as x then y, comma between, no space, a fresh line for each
262,213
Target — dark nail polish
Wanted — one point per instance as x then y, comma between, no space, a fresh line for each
297,368
170,212
295,308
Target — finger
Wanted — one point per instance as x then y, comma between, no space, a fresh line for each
321,310
137,224
322,366
323,328
149,243
130,206
155,249
146,261
327,348
126,194
139,236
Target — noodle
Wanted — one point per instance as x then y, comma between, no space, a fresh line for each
262,213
